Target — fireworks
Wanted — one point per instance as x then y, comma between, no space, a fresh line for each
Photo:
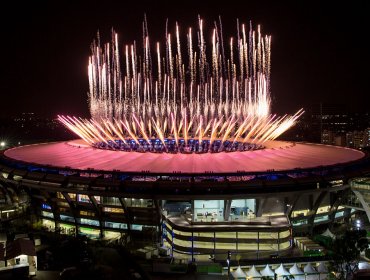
209,100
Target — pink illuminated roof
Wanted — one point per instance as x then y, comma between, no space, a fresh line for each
277,155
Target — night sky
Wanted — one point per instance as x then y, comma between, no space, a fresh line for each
319,50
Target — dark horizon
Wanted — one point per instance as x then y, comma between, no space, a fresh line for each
317,49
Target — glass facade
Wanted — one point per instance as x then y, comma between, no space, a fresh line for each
83,198
67,229
108,234
89,222
87,213
138,202
47,214
208,210
60,196
106,200
243,209
49,225
115,225
339,214
137,227
90,232
108,205
113,210
321,219
67,218
362,186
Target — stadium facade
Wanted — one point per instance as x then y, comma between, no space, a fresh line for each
248,202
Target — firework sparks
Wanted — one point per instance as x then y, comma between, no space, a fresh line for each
177,103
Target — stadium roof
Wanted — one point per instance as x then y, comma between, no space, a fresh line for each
276,156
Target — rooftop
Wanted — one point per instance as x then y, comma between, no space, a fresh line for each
277,155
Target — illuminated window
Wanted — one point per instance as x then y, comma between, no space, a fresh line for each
83,198
89,222
137,227
47,214
17,178
45,206
89,231
60,195
110,201
321,219
87,213
63,204
135,202
113,210
67,218
115,225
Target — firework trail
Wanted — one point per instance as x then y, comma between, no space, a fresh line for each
182,94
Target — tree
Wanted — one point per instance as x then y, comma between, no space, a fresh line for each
346,252
367,253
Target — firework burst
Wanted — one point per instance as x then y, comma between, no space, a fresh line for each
212,99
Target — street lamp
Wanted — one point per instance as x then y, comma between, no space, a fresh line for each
358,224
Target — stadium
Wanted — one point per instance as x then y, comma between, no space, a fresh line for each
187,160
250,203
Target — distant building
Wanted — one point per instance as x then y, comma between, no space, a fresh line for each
327,137
358,139
333,124
334,121
366,142
315,124
340,140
